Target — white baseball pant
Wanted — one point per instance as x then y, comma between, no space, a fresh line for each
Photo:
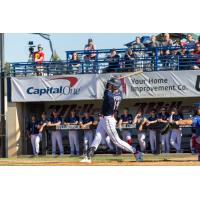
35,141
57,137
105,140
152,139
88,138
74,142
107,125
141,138
165,142
126,135
175,139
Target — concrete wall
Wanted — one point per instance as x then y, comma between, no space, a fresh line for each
14,129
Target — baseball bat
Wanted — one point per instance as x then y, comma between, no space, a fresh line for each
131,74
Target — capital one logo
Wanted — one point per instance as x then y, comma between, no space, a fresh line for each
66,87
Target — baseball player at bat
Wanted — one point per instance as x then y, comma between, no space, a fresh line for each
195,122
111,100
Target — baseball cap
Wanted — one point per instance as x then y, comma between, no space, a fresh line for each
40,46
55,111
90,40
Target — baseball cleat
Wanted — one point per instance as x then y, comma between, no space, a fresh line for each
138,156
86,160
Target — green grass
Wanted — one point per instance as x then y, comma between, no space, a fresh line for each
125,159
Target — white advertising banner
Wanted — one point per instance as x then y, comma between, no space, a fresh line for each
162,84
53,88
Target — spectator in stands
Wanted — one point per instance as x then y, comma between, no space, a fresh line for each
173,60
38,58
137,44
129,60
138,52
198,41
190,43
184,63
113,60
154,42
90,55
196,53
167,42
75,63
73,134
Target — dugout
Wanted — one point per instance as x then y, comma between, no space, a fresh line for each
18,115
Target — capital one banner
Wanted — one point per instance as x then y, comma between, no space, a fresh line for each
163,84
55,88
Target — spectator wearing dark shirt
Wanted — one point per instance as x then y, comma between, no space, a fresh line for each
72,119
190,43
196,53
113,59
129,60
90,50
75,63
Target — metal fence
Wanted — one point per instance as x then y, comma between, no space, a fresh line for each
146,59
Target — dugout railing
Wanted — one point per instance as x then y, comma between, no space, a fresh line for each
146,59
46,147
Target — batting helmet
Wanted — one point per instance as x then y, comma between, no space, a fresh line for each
115,82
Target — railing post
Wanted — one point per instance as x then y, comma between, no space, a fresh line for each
156,59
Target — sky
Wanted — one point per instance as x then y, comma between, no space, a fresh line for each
16,44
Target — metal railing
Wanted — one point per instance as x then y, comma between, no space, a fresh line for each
146,59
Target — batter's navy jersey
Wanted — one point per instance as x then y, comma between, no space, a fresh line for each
54,120
72,119
33,127
87,120
127,118
110,102
196,123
